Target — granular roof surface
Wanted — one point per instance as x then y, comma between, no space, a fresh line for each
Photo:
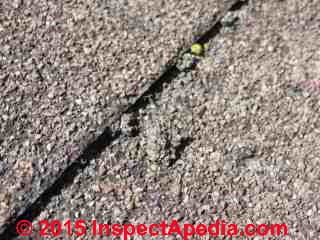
69,67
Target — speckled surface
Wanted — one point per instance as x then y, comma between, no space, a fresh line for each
253,124
67,67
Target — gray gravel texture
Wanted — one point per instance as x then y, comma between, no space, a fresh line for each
68,67
235,139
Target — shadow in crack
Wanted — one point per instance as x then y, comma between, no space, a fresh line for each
173,71
180,149
216,28
154,89
95,149
91,152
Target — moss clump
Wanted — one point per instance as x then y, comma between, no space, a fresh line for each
197,49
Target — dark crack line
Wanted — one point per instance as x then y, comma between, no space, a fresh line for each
185,142
173,71
94,149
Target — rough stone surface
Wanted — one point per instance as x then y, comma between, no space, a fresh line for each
66,67
240,132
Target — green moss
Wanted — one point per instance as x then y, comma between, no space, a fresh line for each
197,49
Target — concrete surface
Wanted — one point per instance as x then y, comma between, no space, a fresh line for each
237,138
68,68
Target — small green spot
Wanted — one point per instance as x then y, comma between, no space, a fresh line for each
197,49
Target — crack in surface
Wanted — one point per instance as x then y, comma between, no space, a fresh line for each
108,136
184,142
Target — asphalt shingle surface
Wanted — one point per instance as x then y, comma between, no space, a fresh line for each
67,67
235,139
